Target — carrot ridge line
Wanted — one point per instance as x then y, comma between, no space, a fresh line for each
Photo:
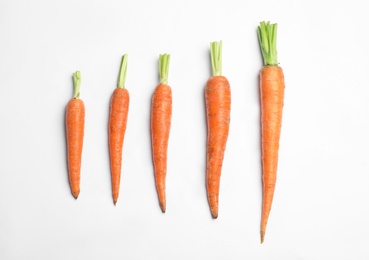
216,58
267,34
164,60
76,84
123,71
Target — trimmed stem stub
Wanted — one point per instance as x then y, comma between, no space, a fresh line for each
123,71
76,83
267,34
164,60
216,58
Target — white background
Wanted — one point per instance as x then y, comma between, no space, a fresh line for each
321,204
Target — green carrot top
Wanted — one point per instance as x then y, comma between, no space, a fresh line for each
267,34
164,60
76,83
123,71
216,57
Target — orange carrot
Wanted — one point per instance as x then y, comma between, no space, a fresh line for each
218,108
119,105
75,120
272,98
161,114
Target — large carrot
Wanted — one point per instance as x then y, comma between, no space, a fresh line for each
119,105
218,108
272,98
161,114
75,120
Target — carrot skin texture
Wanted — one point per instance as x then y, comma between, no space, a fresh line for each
119,106
272,100
161,115
218,108
75,120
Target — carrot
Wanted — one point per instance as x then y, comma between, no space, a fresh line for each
272,98
119,105
75,120
218,108
161,114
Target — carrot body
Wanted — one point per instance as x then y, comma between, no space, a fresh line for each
75,120
271,100
218,108
119,106
161,114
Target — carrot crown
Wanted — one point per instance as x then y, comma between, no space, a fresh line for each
267,34
216,57
123,71
164,68
76,83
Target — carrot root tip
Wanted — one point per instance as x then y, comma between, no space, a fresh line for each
75,194
262,235
163,208
214,213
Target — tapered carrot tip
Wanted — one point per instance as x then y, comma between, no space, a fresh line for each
214,215
162,199
213,202
115,198
75,194
262,235
163,207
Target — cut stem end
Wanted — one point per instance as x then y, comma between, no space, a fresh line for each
216,58
76,83
123,71
164,60
267,34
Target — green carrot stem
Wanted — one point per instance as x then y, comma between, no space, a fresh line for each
123,71
76,83
267,34
216,57
164,68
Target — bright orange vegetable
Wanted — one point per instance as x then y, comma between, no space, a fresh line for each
75,120
218,109
272,99
161,114
118,115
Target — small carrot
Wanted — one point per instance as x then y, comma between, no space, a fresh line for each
119,105
218,109
161,114
272,99
75,120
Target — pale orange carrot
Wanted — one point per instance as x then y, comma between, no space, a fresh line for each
161,114
75,120
272,99
218,108
119,105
